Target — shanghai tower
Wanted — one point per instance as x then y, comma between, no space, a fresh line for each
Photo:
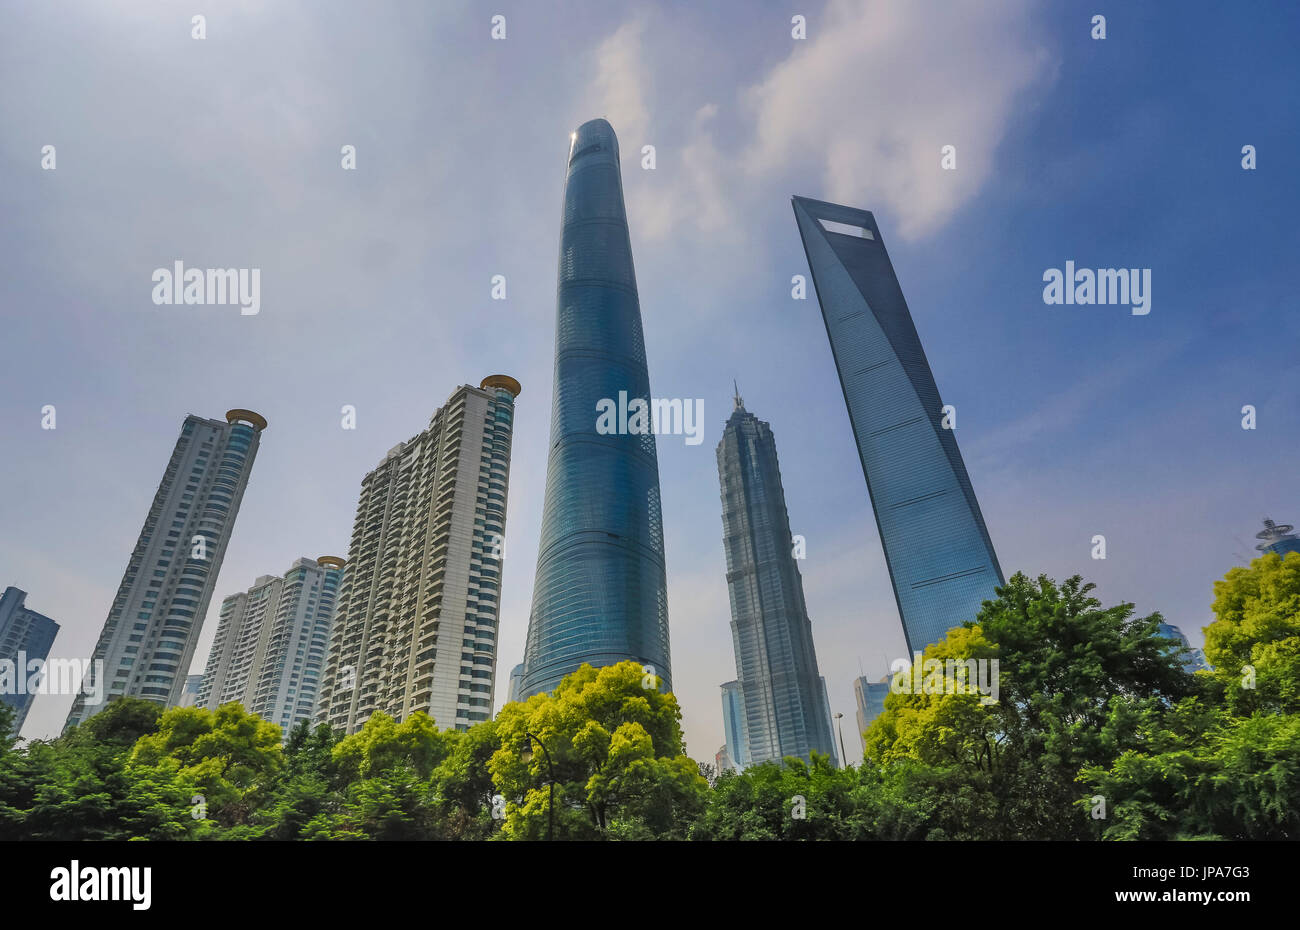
600,596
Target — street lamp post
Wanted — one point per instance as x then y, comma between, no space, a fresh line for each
844,760
526,754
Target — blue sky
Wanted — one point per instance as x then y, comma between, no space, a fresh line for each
1073,420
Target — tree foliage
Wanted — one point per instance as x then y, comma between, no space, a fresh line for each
1097,731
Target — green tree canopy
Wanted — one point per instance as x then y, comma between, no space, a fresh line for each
615,741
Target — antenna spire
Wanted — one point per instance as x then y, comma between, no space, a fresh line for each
740,401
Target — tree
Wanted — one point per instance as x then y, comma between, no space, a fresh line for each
383,744
1225,763
615,741
1070,673
8,736
462,784
793,800
1254,642
383,776
80,787
230,756
306,788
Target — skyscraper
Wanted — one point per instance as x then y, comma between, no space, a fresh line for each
190,694
733,724
870,697
147,642
516,677
1278,538
270,645
24,635
600,594
722,761
830,722
1193,659
416,626
785,704
941,561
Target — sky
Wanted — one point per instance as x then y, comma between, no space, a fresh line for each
225,151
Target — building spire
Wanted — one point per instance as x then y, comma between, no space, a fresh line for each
740,401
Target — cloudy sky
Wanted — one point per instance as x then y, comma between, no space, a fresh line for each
225,152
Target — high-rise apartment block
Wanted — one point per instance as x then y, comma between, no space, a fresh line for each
270,646
601,594
941,560
786,712
416,626
148,640
25,637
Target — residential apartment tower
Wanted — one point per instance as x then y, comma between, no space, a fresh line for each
148,640
416,627
271,640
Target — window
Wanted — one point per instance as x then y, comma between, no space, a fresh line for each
586,150
847,229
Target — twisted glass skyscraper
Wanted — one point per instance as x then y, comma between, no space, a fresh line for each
600,595
941,561
784,710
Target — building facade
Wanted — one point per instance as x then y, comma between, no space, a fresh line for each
516,680
600,594
148,640
722,761
940,558
416,627
870,699
190,696
733,724
836,738
786,712
269,651
25,636
1193,659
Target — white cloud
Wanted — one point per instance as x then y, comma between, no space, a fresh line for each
867,101
856,113
694,194
621,83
